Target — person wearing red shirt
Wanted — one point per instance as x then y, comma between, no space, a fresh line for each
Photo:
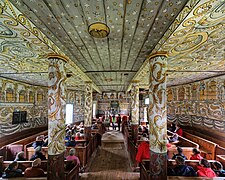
179,130
204,170
143,150
196,154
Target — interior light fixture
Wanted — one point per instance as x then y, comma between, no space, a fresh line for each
98,30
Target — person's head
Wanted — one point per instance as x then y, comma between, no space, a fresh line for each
20,155
13,165
179,150
36,162
217,165
72,152
180,160
204,163
195,151
38,138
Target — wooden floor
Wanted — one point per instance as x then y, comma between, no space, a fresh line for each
111,161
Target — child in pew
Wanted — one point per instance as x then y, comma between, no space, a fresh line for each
38,154
181,169
143,150
204,169
196,154
20,156
180,153
12,171
218,169
35,170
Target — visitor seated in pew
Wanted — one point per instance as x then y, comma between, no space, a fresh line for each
180,153
145,130
173,138
179,130
172,127
35,170
20,156
72,142
78,137
67,138
204,169
45,144
94,126
196,154
12,171
181,169
218,169
38,154
38,142
72,157
143,150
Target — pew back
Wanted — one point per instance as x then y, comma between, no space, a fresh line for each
207,147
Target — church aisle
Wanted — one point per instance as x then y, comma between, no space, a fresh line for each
111,161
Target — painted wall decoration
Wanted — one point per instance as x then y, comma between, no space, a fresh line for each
88,104
77,99
135,102
56,106
15,97
204,106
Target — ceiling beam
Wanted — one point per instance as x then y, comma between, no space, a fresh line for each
111,71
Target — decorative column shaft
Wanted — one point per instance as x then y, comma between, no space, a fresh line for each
158,118
56,116
88,110
135,109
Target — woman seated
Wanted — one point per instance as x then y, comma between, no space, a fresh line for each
12,171
181,169
35,170
196,154
173,138
204,169
218,169
72,156
179,130
143,150
180,153
20,156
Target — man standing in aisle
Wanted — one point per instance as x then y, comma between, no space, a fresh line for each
119,121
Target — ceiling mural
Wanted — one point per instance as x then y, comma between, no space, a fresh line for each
197,46
190,31
23,50
135,27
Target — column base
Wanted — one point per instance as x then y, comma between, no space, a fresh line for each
87,133
158,166
56,167
134,132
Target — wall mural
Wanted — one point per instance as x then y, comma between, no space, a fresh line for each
88,104
104,102
199,103
11,95
77,99
135,102
56,106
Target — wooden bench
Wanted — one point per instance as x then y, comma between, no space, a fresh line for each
71,169
221,158
206,147
220,150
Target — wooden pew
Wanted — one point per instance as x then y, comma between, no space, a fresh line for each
71,169
206,147
220,150
187,151
221,158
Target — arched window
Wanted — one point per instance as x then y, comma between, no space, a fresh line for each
39,97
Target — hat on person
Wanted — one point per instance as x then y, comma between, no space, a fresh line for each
36,162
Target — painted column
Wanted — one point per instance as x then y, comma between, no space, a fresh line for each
88,110
135,109
56,116
157,116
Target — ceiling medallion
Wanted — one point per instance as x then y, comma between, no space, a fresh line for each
98,30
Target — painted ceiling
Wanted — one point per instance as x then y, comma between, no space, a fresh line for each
195,43
192,32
